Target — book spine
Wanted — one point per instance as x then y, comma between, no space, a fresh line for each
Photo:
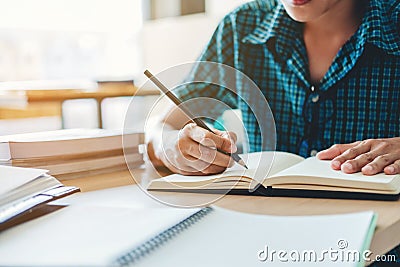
54,148
146,248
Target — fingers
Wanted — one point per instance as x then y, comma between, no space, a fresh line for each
196,151
335,150
226,134
202,167
393,168
355,165
379,164
224,141
369,156
195,166
180,161
345,161
192,171
191,149
199,167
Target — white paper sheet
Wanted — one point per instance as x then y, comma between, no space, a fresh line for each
13,177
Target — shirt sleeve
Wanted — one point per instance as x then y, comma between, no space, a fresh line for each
209,89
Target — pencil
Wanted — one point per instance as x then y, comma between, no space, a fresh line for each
198,121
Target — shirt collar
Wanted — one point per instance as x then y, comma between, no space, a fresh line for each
278,25
380,27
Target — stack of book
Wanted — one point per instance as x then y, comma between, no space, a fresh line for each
73,153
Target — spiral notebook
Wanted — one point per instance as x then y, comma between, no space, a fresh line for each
122,226
218,237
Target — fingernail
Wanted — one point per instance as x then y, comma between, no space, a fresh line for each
335,164
390,169
367,168
347,167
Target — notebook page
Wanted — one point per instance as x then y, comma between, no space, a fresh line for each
100,226
13,177
84,235
228,238
261,165
313,167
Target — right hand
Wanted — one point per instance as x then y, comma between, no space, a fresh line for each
193,150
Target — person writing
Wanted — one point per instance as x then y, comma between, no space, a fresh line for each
330,70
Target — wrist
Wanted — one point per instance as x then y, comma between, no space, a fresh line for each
165,140
157,162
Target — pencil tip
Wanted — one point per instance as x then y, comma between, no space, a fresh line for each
241,162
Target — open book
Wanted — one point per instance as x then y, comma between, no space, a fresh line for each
286,174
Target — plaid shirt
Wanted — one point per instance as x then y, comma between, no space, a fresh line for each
358,98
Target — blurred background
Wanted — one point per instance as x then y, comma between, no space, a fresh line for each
53,52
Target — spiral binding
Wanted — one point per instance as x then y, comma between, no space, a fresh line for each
146,248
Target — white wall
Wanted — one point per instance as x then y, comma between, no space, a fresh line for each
219,8
71,15
172,41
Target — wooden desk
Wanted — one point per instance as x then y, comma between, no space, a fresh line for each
31,110
58,96
387,233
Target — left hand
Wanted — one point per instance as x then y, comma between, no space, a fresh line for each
370,156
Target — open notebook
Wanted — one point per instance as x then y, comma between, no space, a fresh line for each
122,226
285,174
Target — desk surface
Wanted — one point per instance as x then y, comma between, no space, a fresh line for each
69,94
386,237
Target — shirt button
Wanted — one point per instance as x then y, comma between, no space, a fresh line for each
313,153
315,99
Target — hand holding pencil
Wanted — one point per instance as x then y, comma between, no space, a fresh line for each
195,149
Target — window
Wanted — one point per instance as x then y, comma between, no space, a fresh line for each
156,9
69,39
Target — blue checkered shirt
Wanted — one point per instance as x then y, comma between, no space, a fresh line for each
358,98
